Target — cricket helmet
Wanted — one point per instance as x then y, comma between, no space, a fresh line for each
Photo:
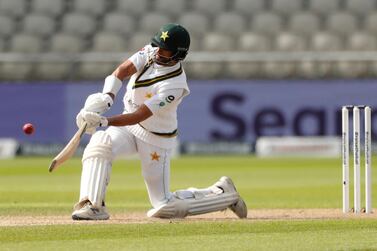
173,37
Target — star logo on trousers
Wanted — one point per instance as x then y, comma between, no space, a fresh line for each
155,156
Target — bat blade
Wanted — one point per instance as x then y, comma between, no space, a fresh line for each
68,150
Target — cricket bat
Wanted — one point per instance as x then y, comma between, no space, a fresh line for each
69,149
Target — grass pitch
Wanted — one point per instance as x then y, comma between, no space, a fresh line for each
28,190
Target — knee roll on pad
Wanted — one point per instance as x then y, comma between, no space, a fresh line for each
175,208
99,146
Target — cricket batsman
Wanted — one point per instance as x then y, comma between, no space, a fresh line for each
148,127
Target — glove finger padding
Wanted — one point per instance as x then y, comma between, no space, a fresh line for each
98,103
94,120
80,120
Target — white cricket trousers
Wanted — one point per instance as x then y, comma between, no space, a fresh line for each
155,162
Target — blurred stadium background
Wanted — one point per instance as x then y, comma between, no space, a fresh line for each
256,67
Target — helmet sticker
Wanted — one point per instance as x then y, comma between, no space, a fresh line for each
174,38
164,35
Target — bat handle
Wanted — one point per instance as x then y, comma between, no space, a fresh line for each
83,128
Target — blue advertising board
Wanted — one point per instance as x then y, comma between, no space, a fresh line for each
221,110
245,110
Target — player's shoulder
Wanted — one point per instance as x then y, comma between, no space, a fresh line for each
178,81
178,75
182,77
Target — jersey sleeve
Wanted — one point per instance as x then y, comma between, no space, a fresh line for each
140,58
163,99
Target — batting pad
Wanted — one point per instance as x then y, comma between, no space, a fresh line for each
96,169
178,208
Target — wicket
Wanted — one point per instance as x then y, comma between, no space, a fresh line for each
356,158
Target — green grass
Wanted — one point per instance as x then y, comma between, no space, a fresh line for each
278,235
26,188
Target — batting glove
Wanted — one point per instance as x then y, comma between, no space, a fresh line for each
94,120
98,103
80,120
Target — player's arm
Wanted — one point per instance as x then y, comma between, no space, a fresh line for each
114,82
133,118
94,119
151,106
146,110
125,70
101,102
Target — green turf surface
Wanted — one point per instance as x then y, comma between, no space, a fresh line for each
277,235
26,188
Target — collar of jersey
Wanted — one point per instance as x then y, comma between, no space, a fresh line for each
147,82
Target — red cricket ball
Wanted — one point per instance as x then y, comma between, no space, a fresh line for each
28,128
